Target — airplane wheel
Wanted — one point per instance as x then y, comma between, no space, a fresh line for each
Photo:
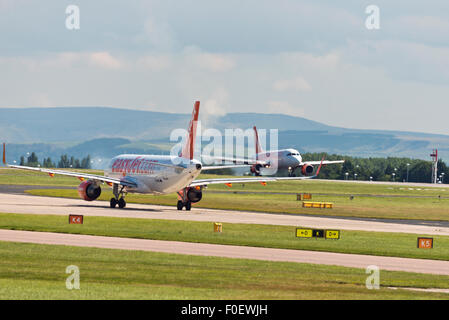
121,203
180,205
113,202
188,206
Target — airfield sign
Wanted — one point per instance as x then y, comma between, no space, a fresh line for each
317,233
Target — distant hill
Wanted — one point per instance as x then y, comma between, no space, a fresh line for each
103,132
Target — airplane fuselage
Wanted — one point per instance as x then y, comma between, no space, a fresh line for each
285,159
154,174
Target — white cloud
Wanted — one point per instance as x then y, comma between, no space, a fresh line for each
41,99
311,61
159,35
104,60
296,84
214,62
155,62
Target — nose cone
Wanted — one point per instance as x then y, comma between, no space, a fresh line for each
298,158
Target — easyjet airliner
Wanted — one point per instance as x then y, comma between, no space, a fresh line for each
153,174
269,162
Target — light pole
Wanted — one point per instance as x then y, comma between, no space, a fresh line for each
393,174
355,176
346,175
442,177
408,164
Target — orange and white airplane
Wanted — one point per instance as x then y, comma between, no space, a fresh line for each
272,161
153,174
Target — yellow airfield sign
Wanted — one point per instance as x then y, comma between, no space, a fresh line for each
304,233
317,233
332,234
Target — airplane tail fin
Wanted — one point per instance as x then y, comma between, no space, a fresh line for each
319,168
4,153
257,143
189,147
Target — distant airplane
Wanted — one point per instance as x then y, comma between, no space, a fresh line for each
153,174
286,159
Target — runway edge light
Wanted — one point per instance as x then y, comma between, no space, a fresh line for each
218,227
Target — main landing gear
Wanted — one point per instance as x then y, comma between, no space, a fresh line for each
187,204
184,201
119,197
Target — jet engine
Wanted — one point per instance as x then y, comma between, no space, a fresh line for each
307,169
89,190
256,169
194,194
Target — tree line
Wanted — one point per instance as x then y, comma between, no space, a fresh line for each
380,169
64,162
354,168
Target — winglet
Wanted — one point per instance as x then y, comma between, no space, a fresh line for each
319,168
4,153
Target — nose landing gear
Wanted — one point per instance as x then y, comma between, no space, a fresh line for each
291,172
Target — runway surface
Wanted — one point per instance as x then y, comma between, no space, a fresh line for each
228,251
16,203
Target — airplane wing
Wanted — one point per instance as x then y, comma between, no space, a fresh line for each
314,163
78,175
225,167
237,160
230,181
205,182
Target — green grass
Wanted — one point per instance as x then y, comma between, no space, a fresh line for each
23,177
364,207
355,242
31,271
360,206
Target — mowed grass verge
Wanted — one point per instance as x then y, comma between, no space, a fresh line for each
270,236
32,271
368,207
23,177
364,207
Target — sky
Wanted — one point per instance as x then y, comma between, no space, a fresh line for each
313,59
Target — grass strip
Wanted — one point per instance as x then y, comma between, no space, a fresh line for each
35,271
270,236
